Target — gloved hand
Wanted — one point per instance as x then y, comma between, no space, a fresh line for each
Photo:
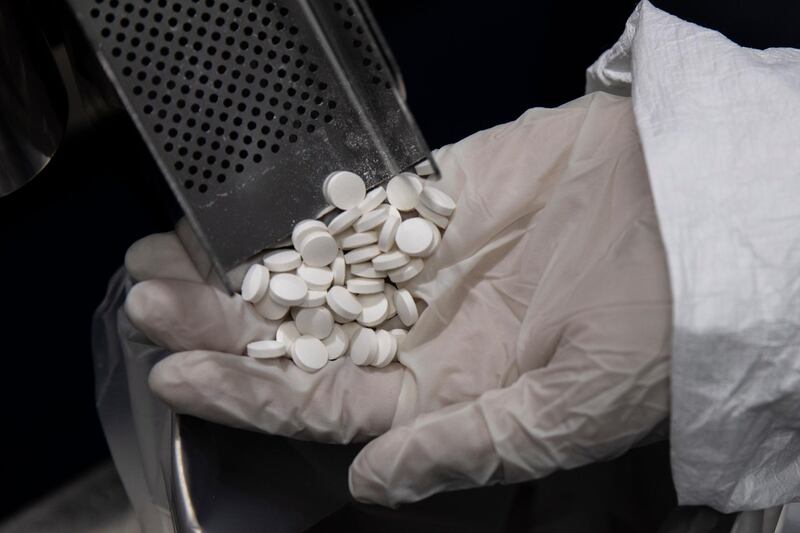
545,343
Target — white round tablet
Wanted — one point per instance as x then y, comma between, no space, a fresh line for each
437,201
390,260
387,348
358,240
389,230
309,353
344,190
266,349
339,270
389,291
372,219
365,286
374,198
318,249
366,270
374,309
303,228
414,236
407,271
287,333
343,220
287,289
270,309
343,303
317,278
282,260
255,283
437,238
424,168
406,307
359,255
363,346
336,343
316,321
403,191
314,299
434,217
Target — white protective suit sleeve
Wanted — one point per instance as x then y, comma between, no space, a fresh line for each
720,129
544,346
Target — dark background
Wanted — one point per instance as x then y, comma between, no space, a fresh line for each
467,66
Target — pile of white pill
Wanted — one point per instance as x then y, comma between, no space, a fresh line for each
339,290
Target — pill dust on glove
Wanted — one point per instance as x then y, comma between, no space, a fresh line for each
336,289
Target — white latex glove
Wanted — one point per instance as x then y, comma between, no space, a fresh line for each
545,344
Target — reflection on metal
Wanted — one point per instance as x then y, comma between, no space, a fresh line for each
33,102
184,515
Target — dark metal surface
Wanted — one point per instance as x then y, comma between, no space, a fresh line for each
247,106
33,102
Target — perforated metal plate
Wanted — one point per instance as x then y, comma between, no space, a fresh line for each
248,105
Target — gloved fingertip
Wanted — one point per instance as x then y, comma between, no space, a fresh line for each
133,258
144,304
363,484
169,381
369,476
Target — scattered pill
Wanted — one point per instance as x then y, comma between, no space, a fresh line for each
437,238
437,201
267,349
387,348
309,353
282,260
390,260
374,308
374,198
365,285
414,236
316,278
389,290
407,271
315,321
337,342
344,220
314,299
287,333
389,230
287,289
436,218
255,283
372,219
363,346
344,190
270,309
358,240
318,249
359,255
339,270
303,228
424,168
366,270
406,308
343,303
403,191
